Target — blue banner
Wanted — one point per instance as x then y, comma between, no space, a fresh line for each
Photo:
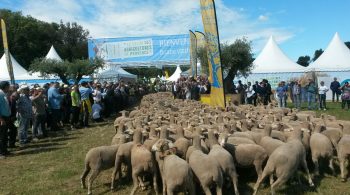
173,49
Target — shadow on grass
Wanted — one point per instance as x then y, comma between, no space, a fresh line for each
43,144
37,150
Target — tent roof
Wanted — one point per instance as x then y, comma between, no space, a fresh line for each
53,55
115,71
19,72
176,75
273,60
336,57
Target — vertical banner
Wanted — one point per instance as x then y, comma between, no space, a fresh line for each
7,53
201,43
217,94
193,53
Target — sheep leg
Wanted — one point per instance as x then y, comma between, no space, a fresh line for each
206,190
83,176
260,179
331,166
342,169
304,164
136,183
155,184
316,170
281,180
92,177
164,186
258,168
218,189
271,179
234,182
169,191
116,170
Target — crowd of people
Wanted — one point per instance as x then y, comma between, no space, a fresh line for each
314,95
54,106
190,87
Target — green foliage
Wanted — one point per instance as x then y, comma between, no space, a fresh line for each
236,58
30,38
66,70
203,59
347,44
304,60
317,54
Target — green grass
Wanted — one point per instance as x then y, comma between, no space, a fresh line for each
333,108
54,165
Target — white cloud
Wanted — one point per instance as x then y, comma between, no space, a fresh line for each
121,18
263,18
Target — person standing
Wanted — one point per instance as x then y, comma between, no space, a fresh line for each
311,94
5,113
250,93
322,90
54,101
85,93
281,94
296,92
12,129
75,96
346,95
335,85
39,111
25,114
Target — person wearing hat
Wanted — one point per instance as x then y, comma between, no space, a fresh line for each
5,113
25,114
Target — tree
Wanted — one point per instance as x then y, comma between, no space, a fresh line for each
236,58
304,60
203,59
30,38
66,70
317,54
347,44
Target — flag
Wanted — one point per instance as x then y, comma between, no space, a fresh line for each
166,74
217,95
6,50
193,53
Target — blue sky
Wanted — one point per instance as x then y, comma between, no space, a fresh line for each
299,26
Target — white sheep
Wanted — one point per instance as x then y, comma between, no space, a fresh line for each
284,162
176,173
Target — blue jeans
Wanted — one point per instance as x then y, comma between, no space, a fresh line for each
322,99
23,129
297,100
311,100
282,101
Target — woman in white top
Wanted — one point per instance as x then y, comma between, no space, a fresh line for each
322,90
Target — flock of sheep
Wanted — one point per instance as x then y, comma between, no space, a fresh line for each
194,148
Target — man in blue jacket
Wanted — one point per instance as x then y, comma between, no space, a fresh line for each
54,100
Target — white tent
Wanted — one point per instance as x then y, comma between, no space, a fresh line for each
336,57
19,72
116,72
176,75
273,60
53,55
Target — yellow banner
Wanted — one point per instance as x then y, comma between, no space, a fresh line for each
217,97
6,50
166,74
193,53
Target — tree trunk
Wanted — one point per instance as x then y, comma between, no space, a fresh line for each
228,80
64,79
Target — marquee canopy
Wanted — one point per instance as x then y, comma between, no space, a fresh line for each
116,72
336,57
176,75
53,55
18,71
273,60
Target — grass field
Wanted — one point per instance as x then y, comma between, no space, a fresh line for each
54,165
